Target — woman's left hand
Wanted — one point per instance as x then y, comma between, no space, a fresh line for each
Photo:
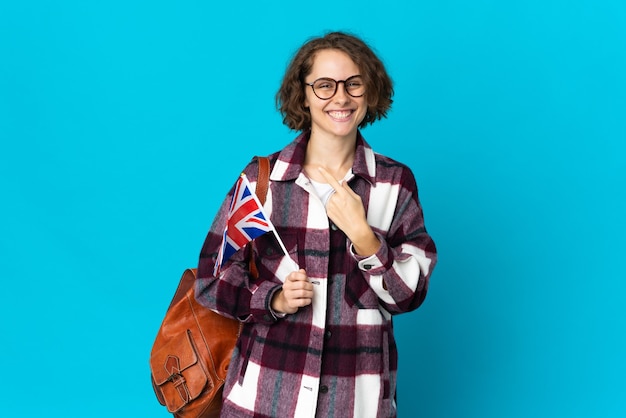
345,209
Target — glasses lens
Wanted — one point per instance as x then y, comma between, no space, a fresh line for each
355,86
325,88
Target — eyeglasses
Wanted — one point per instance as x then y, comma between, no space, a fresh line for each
325,88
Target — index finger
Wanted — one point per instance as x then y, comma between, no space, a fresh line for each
330,179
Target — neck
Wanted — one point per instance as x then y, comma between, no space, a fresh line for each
334,154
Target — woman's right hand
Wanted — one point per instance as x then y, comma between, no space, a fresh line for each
297,292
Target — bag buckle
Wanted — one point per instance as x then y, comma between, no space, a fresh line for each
172,366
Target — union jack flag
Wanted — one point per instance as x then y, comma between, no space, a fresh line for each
246,221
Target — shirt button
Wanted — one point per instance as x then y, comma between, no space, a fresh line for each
333,227
328,334
367,266
323,389
267,317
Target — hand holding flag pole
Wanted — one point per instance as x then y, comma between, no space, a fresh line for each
246,221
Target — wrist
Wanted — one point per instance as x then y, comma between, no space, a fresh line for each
277,303
366,246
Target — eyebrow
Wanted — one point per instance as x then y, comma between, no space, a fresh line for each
330,78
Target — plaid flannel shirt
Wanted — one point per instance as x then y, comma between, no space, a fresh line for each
336,357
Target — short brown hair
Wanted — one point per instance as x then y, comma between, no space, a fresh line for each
291,95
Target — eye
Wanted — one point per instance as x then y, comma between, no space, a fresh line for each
354,82
324,85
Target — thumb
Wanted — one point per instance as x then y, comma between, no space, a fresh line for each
297,275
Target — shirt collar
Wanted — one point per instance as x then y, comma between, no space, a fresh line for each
288,166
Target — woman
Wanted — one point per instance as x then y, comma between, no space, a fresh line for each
318,341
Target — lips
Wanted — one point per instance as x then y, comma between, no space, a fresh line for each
340,114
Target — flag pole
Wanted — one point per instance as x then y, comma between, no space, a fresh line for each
280,241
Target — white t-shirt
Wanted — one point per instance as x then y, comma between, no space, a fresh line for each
323,190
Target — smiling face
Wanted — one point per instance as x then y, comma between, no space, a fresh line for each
340,116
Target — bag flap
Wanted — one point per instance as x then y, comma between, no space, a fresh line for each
177,372
173,358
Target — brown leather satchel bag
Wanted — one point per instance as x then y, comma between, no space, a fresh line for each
190,355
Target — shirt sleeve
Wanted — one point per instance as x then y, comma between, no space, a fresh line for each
234,293
400,270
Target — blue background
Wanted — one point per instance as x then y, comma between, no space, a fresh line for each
124,123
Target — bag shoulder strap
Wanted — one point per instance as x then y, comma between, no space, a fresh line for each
264,178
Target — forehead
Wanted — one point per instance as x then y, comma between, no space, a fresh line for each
334,64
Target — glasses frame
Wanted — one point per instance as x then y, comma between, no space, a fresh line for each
336,86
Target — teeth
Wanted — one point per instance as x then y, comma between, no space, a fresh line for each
340,114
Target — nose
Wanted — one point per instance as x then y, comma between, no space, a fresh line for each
341,95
